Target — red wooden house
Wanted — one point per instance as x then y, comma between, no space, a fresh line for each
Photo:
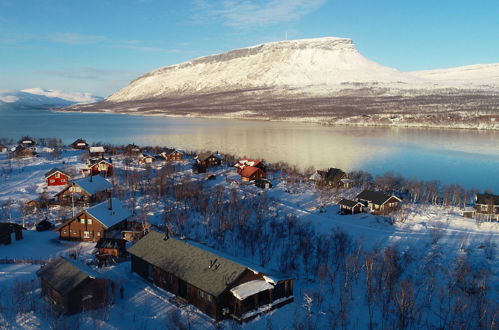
98,166
106,219
56,177
250,173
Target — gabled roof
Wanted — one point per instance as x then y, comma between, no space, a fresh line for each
108,217
94,161
65,274
207,269
96,149
205,155
334,174
55,170
248,171
90,184
376,197
80,140
348,202
487,198
110,243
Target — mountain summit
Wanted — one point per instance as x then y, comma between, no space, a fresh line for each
315,66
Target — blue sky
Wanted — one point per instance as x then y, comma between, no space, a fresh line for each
100,45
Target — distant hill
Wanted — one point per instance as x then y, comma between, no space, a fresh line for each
41,98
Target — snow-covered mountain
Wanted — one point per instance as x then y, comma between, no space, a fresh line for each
41,98
470,76
316,66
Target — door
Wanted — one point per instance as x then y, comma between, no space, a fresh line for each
182,289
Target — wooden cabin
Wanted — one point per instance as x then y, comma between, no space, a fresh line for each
110,250
27,142
350,207
98,166
219,285
73,287
106,219
79,144
9,230
146,158
96,152
44,225
487,206
132,150
378,202
209,159
251,173
246,162
23,152
85,191
56,177
332,177
3,148
172,155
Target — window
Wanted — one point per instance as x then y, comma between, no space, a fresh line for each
82,221
52,180
86,234
98,233
89,221
63,180
64,231
58,175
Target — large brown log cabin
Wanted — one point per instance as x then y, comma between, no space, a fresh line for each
218,284
106,219
73,287
378,202
85,191
487,206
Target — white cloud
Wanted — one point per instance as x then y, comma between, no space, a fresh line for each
247,13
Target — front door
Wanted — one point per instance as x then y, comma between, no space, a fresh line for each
182,289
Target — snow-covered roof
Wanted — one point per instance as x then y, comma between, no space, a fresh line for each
250,288
109,217
97,149
93,184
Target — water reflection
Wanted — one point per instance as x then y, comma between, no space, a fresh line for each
451,156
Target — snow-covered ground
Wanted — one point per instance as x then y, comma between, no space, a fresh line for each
288,217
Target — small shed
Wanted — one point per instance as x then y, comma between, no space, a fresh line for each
263,183
44,225
7,230
350,207
110,248
72,286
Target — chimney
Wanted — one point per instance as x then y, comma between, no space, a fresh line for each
110,202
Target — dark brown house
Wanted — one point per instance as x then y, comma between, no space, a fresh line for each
378,202
85,191
209,159
218,284
332,177
172,155
7,230
79,144
27,142
487,205
132,150
350,207
106,219
44,225
73,287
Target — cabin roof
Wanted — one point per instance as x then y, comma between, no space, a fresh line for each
205,268
65,274
80,140
486,198
376,197
348,202
91,184
94,161
205,155
96,149
248,171
53,171
110,243
106,216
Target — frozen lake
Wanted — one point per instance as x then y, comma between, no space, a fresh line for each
470,158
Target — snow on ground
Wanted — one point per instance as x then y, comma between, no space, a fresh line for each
147,307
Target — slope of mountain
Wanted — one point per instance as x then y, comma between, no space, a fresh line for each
41,98
478,75
315,66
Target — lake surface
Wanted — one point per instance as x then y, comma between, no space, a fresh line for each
470,158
